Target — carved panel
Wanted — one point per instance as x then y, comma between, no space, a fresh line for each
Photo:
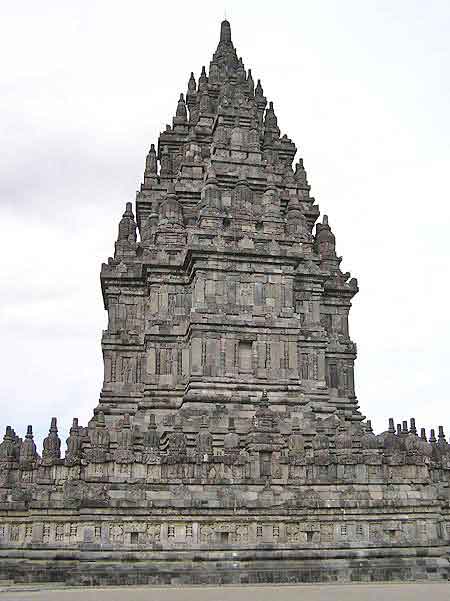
154,532
116,533
14,533
293,532
206,532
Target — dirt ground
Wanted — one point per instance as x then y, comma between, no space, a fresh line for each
437,591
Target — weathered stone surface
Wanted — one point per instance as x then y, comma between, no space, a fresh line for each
227,431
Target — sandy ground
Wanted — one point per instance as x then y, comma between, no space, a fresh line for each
435,591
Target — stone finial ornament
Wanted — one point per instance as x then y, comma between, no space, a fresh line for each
28,452
181,109
151,167
52,445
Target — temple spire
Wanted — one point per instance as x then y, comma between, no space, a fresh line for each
203,80
250,83
225,31
259,92
181,109
192,86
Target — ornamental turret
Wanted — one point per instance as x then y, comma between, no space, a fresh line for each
203,81
28,452
7,447
191,95
181,113
73,442
325,244
264,419
204,444
192,86
124,451
177,442
99,439
296,224
52,445
126,239
151,436
271,121
231,439
170,230
296,440
151,168
300,176
250,83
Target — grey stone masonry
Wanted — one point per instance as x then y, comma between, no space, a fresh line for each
227,444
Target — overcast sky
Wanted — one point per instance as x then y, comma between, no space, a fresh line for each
362,87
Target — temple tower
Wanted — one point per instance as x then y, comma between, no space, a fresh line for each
231,288
227,446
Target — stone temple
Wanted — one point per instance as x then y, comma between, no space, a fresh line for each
227,445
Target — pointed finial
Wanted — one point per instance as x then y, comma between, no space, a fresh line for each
391,428
53,426
203,80
432,436
259,92
405,427
441,435
250,83
128,210
29,433
423,434
192,86
151,166
225,31
271,120
181,108
325,220
399,429
74,427
412,428
369,426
